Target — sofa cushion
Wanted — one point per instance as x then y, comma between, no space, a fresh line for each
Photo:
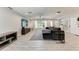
46,31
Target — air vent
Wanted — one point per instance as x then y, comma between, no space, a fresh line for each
10,8
29,12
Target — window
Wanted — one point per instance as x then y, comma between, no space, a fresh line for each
40,24
24,23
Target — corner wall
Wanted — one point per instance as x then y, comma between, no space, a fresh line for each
9,21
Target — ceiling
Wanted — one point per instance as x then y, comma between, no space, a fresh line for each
49,12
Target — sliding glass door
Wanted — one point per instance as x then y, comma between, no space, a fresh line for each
40,24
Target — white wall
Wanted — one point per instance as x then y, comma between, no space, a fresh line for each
49,23
31,23
72,25
9,21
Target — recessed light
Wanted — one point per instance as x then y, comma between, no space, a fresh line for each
58,12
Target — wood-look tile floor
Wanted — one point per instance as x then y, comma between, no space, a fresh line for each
24,43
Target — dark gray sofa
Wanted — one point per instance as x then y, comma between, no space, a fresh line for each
54,33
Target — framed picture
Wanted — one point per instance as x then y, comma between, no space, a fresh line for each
24,23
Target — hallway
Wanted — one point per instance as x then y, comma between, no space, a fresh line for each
25,44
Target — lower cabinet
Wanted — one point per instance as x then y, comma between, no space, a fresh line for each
7,38
25,31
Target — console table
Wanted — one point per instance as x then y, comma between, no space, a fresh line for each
8,37
25,31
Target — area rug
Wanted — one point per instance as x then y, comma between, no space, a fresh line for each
37,35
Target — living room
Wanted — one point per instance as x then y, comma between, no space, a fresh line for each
52,28
39,29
